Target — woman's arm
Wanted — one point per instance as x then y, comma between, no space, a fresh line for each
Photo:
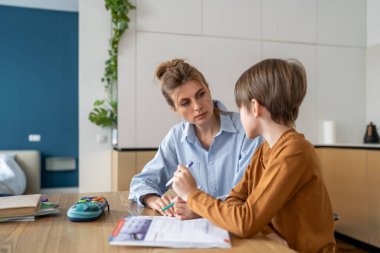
155,173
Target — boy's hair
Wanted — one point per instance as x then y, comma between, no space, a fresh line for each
278,85
174,73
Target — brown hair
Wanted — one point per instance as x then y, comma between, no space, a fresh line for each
278,85
174,73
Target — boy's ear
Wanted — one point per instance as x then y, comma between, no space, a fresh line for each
255,108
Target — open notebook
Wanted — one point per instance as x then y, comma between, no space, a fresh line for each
161,231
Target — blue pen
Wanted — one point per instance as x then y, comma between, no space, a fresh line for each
172,179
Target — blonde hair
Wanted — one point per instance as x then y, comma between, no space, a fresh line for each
174,73
278,85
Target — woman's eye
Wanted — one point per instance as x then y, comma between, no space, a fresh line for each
184,103
201,94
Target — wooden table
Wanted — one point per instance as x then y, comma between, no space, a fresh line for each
57,234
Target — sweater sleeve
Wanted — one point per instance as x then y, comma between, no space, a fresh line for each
239,194
247,212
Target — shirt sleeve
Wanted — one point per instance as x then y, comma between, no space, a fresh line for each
247,151
156,173
249,212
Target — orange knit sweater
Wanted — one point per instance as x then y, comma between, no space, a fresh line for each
282,191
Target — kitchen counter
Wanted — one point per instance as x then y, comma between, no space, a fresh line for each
349,146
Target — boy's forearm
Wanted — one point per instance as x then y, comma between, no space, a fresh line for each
216,211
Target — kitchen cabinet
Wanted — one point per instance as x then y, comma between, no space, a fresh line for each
126,164
374,197
352,176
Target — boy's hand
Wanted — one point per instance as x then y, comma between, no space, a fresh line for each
181,210
157,203
184,182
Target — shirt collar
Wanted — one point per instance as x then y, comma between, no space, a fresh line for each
226,124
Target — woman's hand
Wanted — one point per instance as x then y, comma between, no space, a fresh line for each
157,203
184,182
181,210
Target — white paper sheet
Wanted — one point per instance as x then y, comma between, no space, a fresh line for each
164,231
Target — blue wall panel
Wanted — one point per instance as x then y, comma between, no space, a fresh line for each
39,85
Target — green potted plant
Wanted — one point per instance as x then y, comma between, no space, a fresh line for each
104,112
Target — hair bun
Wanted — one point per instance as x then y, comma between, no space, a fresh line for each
161,70
165,66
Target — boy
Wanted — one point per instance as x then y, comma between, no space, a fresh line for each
282,191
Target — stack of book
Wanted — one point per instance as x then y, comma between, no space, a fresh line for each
25,208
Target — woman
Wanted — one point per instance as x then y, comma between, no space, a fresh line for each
209,137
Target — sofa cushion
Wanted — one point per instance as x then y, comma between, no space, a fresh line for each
12,177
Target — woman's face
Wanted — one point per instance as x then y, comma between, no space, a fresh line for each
193,102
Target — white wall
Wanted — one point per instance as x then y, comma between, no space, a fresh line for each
94,157
373,22
223,38
59,5
373,62
373,84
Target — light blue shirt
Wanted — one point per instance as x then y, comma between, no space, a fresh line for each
216,170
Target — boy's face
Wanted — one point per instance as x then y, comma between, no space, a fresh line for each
249,122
